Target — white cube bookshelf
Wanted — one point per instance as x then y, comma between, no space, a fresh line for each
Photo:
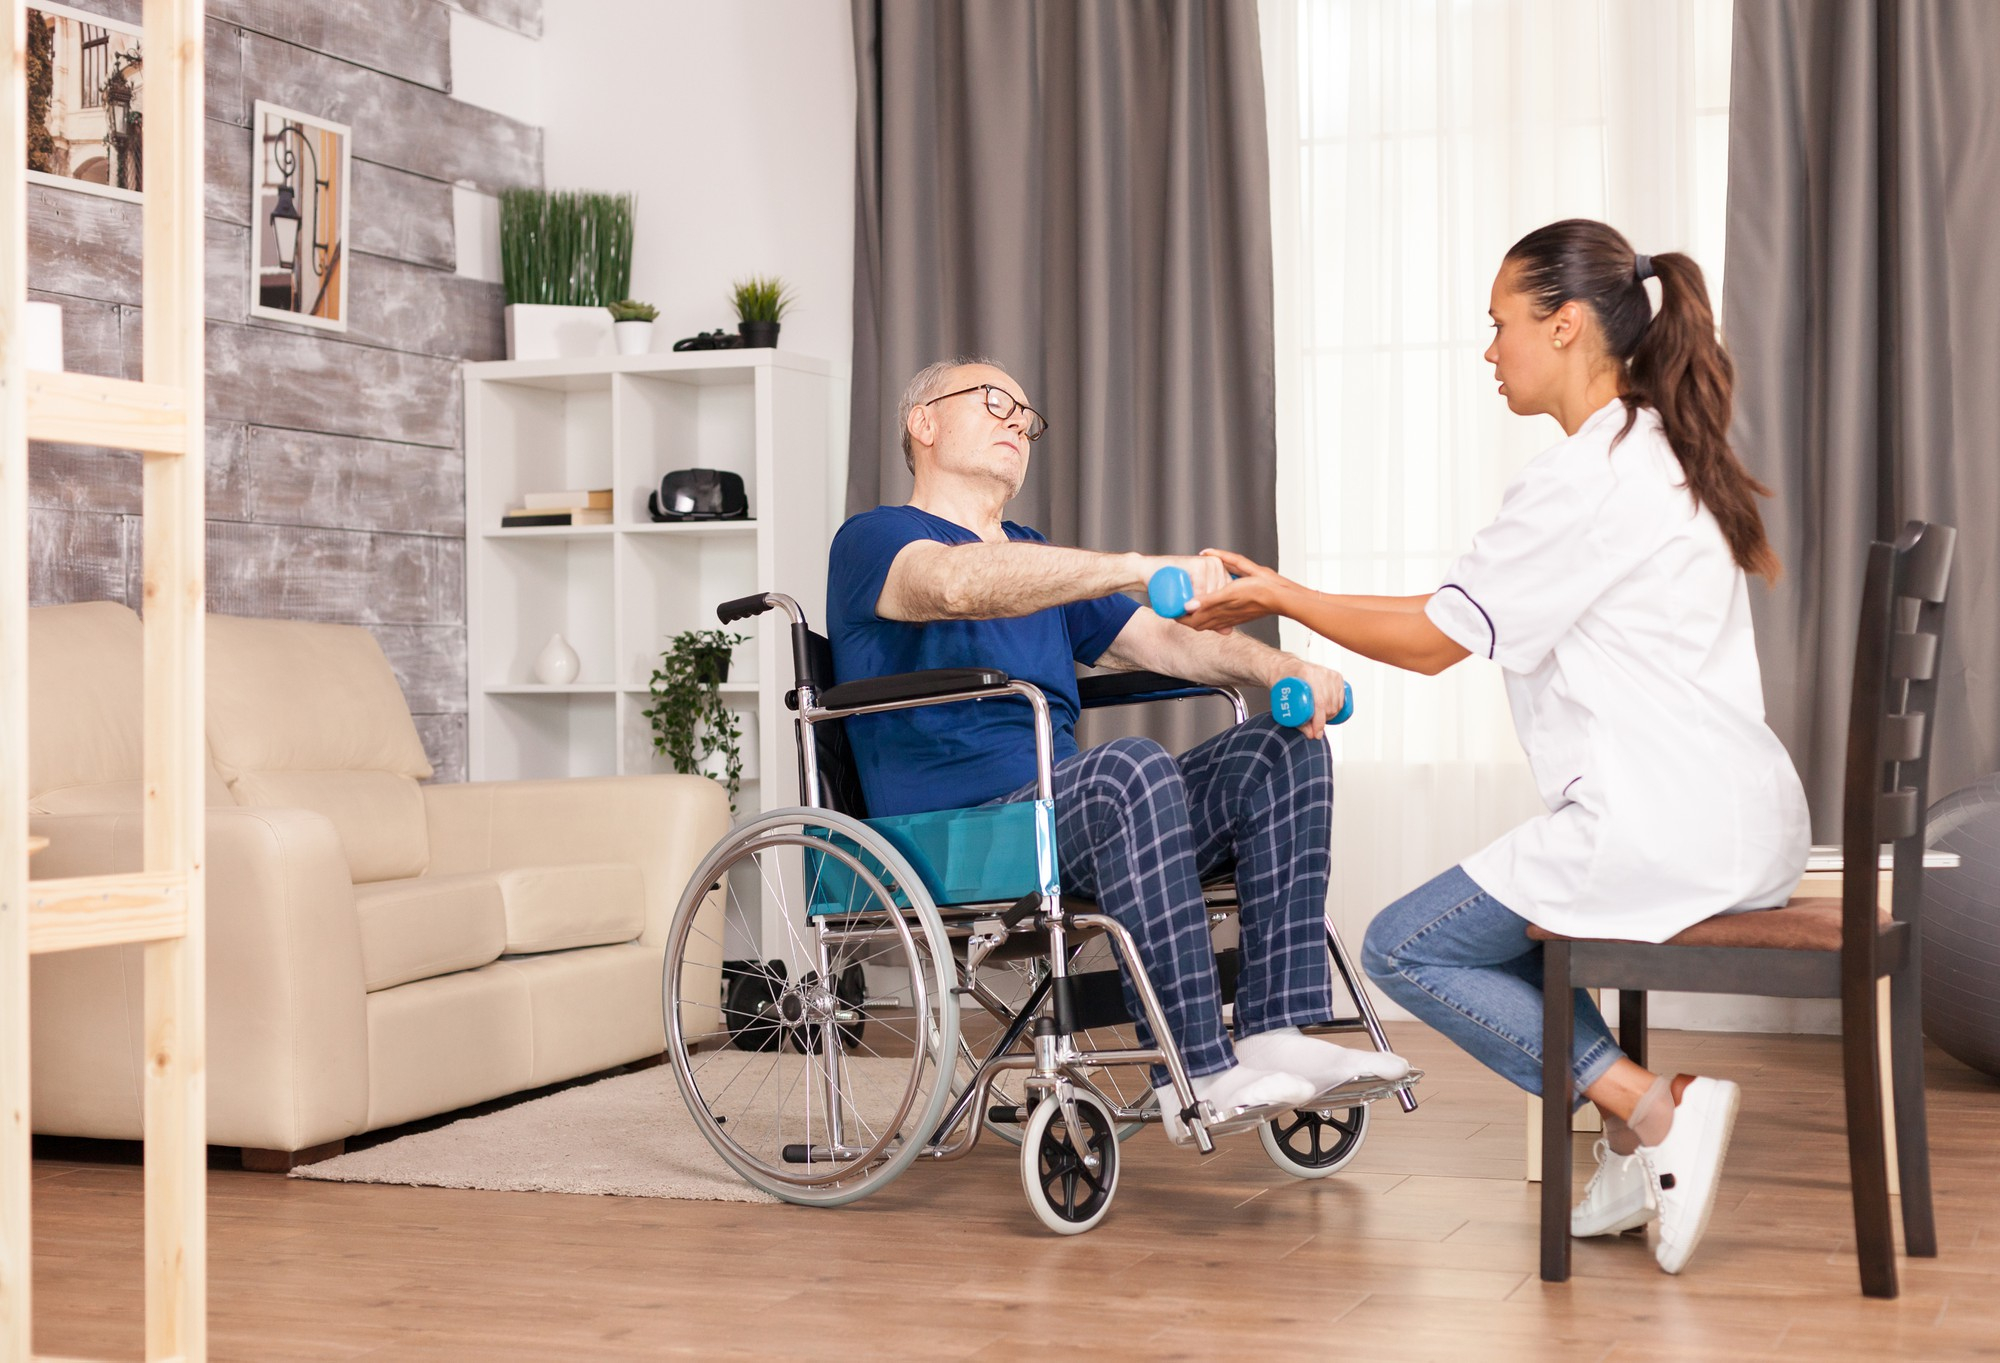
619,592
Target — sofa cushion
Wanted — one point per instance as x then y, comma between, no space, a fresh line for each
378,814
427,926
311,715
555,908
86,693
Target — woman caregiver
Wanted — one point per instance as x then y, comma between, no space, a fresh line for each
1612,591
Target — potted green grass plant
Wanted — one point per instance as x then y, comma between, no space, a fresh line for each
633,322
565,255
760,305
691,725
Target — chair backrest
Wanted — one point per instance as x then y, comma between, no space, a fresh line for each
1896,653
839,778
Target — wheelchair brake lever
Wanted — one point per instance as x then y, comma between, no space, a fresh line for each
1023,908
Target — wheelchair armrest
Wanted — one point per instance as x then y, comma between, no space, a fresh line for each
909,686
1134,688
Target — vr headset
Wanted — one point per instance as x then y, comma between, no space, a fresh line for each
699,495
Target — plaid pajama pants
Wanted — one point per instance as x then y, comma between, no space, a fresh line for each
1137,829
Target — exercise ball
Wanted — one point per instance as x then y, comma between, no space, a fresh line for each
1962,927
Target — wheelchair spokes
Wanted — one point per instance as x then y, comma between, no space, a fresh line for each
816,1074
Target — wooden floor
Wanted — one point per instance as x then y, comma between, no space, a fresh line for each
1423,1249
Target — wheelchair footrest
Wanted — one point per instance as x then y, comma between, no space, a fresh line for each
1229,1121
1367,1089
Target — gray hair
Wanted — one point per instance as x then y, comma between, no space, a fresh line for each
928,383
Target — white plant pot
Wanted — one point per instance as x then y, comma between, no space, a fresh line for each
544,331
41,331
634,338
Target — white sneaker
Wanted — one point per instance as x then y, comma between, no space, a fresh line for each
1686,1167
1619,1198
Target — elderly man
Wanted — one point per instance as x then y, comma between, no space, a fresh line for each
946,582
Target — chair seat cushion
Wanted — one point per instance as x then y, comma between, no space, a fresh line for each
1802,925
426,926
557,908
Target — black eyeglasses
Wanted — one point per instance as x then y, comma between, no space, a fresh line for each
1001,403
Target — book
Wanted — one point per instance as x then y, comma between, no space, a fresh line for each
519,517
596,499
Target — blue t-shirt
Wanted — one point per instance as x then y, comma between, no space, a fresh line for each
952,756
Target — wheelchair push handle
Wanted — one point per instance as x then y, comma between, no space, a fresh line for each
1170,590
743,607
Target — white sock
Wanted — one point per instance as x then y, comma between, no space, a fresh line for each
1237,1086
1322,1063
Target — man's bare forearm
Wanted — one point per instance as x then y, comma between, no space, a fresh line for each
1149,644
999,581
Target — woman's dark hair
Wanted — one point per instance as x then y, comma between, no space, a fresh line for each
1674,363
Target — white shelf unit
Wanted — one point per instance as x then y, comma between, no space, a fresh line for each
619,592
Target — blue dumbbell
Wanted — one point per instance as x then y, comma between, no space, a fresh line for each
1171,588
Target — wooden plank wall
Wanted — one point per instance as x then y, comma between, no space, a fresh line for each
336,466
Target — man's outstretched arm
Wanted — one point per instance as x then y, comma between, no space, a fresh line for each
932,581
1150,644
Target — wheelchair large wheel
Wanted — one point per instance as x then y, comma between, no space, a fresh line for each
863,1002
1311,1143
1067,1195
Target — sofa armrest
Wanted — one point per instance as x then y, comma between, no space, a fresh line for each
664,825
287,1013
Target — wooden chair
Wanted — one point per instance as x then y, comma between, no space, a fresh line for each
1826,949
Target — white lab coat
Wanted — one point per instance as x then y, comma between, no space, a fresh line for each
1623,627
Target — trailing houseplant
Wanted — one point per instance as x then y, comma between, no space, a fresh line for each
690,722
761,304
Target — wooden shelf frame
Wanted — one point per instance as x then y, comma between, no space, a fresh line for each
162,904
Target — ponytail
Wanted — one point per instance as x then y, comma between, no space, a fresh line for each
1674,362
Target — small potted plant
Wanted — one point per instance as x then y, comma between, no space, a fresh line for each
564,255
633,321
690,723
760,304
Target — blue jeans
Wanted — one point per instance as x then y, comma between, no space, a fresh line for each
1463,962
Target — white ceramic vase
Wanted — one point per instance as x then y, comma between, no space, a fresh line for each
558,664
634,338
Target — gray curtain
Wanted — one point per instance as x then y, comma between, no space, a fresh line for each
1080,190
1863,309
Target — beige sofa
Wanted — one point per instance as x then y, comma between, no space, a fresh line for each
378,950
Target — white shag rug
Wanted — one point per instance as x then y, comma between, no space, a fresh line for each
629,1136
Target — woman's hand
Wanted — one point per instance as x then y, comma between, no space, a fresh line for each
1252,595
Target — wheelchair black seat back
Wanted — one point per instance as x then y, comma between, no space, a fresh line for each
819,959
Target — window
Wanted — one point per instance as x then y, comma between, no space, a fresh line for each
96,59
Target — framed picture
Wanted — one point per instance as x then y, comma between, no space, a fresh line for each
298,218
86,102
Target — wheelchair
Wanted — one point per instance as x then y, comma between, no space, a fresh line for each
820,961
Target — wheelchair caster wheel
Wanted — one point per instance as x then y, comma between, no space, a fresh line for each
1313,1144
1067,1195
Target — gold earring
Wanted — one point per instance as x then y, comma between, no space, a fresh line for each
1559,344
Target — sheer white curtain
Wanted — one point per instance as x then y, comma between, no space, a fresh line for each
1413,141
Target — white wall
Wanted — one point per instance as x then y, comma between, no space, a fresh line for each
733,124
